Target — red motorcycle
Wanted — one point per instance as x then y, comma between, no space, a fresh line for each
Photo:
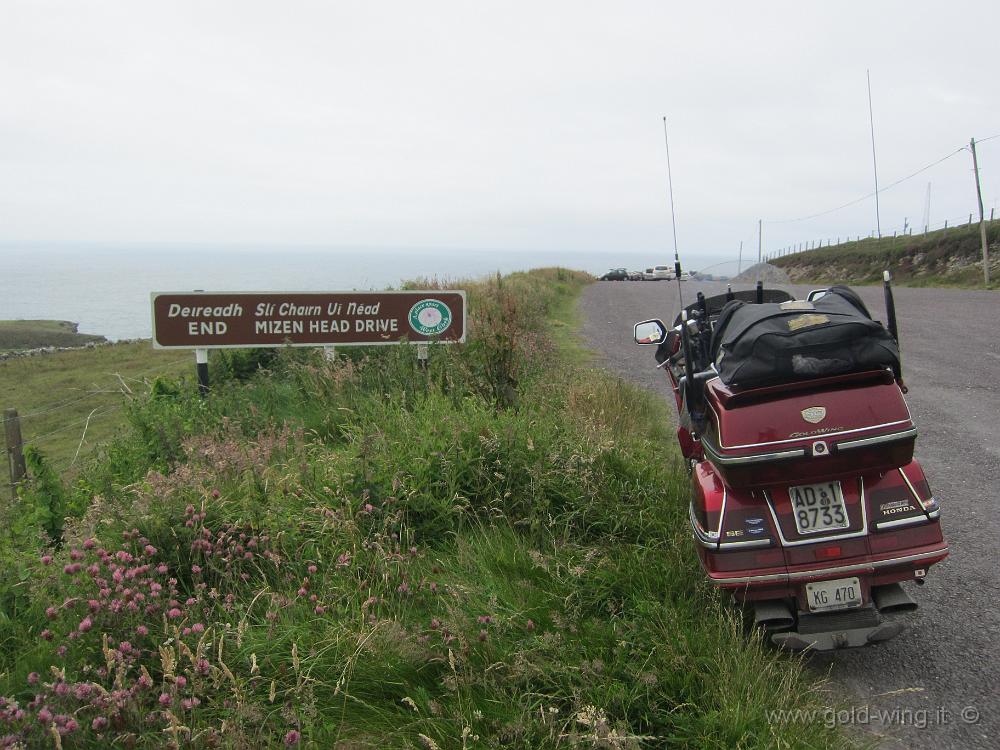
806,501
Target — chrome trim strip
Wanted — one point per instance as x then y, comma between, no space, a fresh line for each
749,543
700,534
717,534
824,436
755,459
900,522
824,571
877,439
913,491
836,537
934,513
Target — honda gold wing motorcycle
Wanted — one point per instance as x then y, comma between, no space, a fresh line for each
806,501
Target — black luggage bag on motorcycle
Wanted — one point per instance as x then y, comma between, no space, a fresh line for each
760,345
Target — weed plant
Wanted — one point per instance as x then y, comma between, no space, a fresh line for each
490,552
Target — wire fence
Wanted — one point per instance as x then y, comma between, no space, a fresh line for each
889,235
116,386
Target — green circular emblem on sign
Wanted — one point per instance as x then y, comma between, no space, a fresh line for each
429,317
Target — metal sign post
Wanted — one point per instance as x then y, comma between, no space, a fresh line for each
201,364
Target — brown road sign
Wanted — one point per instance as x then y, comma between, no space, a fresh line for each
226,320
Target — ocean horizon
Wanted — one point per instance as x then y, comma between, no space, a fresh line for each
105,288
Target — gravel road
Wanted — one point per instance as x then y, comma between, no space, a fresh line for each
938,683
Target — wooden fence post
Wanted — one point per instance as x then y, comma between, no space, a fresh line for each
15,454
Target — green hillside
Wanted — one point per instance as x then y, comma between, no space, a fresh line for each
947,257
36,334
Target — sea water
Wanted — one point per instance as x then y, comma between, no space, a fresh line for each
106,288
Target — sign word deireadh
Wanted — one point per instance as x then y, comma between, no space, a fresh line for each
221,320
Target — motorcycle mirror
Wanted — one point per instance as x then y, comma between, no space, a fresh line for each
649,332
816,294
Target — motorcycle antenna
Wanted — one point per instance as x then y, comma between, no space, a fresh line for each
673,218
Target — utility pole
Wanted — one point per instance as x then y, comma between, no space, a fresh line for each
739,263
760,239
982,223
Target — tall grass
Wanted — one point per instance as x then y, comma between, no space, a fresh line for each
488,553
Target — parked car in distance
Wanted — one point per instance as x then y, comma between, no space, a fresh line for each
635,275
615,274
648,275
662,273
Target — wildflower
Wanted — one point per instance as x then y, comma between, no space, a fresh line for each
312,569
150,550
33,678
70,725
215,494
191,601
197,628
188,703
369,507
196,569
46,559
292,738
89,543
174,613
162,569
85,624
165,699
482,635
485,619
344,559
99,723
82,691
44,715
46,635
203,666
94,605
144,682
435,623
188,511
530,625
142,630
320,609
180,680
61,689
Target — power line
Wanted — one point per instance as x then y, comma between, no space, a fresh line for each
881,190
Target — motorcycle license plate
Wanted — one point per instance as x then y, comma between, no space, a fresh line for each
843,593
818,507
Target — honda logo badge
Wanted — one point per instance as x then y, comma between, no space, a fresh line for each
814,414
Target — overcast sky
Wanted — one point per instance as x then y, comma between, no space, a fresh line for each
487,125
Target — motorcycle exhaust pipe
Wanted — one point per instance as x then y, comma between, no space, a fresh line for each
772,614
892,598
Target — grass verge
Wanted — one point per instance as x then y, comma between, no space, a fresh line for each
488,553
